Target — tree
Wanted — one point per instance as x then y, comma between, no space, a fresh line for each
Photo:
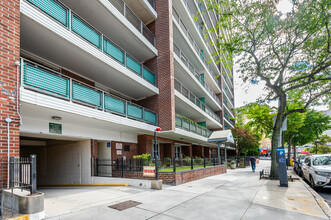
259,118
289,52
314,125
246,141
323,140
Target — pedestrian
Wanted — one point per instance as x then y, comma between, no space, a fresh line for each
253,163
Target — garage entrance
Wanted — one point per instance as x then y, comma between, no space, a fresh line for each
59,161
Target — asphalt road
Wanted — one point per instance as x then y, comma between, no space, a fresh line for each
326,194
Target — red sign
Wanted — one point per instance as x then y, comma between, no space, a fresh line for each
149,171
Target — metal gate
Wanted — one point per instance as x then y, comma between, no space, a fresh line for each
18,173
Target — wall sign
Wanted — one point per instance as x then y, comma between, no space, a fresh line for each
118,146
55,128
119,152
149,171
108,144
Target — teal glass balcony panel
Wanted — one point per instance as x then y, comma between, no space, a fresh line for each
44,80
193,127
199,130
86,32
133,65
86,95
113,51
186,124
204,132
150,77
114,105
150,117
53,9
135,112
178,122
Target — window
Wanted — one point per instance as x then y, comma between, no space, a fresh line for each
126,147
177,151
157,152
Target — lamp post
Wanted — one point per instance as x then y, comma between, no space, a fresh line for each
156,154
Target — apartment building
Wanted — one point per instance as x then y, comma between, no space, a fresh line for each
84,79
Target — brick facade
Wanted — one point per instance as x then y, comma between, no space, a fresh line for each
10,53
164,103
178,177
127,154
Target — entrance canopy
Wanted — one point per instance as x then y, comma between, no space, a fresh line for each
224,136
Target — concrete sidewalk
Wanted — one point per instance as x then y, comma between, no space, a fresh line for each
239,194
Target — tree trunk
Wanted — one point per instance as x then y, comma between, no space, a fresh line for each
276,135
289,149
295,152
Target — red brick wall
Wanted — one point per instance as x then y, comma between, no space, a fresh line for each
164,103
197,151
10,53
169,150
128,154
187,151
176,178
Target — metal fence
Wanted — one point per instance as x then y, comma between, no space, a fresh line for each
105,167
18,173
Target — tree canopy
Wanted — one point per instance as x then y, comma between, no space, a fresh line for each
290,53
246,141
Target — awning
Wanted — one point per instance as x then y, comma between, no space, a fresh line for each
224,136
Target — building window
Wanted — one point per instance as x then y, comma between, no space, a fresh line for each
126,147
177,151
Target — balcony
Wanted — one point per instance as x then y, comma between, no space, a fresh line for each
195,73
134,38
144,9
195,46
191,126
196,101
47,81
58,35
123,8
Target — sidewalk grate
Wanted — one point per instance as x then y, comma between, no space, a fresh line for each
124,205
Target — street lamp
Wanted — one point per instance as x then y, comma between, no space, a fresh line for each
155,154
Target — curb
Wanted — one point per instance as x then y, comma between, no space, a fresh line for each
319,199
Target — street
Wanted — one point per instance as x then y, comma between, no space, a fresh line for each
239,194
326,194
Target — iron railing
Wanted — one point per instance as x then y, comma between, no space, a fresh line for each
134,19
118,167
189,95
62,14
191,126
48,81
17,173
189,65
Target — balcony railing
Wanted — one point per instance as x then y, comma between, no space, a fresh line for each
134,20
152,3
194,44
62,14
191,126
188,64
184,91
45,80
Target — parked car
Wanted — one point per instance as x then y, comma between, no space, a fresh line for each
298,164
317,170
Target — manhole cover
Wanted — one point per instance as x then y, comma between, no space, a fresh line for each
124,205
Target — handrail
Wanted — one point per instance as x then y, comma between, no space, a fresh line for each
125,10
77,25
188,94
189,65
192,127
40,78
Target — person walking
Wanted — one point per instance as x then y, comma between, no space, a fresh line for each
253,163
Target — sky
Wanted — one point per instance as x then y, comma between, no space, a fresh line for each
246,92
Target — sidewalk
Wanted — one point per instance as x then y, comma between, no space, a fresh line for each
239,194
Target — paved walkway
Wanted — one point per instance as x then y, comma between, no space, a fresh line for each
239,194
